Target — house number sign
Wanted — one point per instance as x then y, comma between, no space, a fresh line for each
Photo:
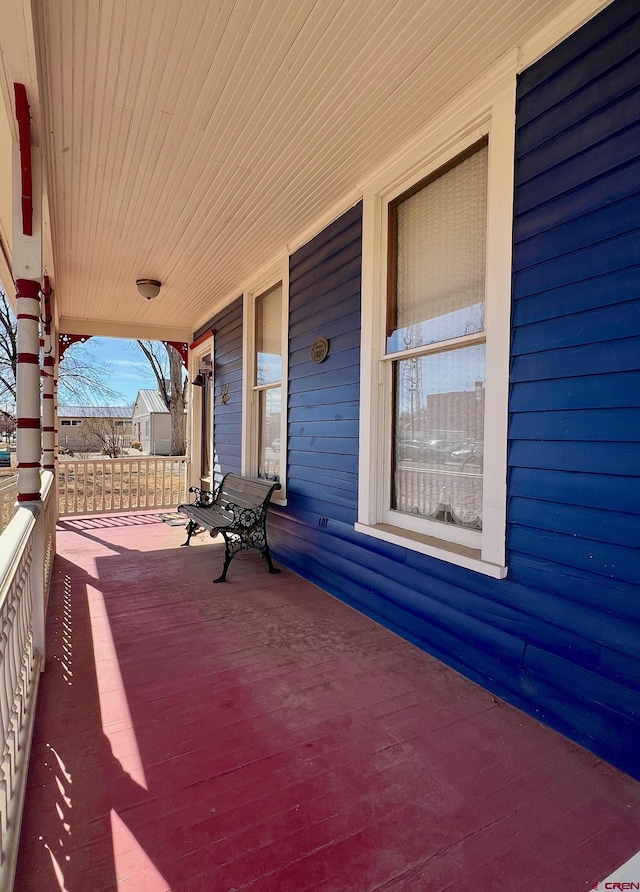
320,350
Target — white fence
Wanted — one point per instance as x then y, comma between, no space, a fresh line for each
115,485
8,493
27,547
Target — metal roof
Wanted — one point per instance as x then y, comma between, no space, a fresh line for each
151,401
94,411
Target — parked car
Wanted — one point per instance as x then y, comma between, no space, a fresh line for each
5,459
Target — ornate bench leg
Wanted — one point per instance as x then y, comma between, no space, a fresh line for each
229,553
191,528
267,555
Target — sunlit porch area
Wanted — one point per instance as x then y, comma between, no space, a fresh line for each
394,245
261,734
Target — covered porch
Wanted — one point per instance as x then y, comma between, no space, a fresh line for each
261,734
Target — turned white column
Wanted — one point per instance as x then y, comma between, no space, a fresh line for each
27,272
29,442
48,374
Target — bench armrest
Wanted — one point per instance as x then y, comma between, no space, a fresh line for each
204,497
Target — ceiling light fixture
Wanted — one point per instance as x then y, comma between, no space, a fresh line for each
148,288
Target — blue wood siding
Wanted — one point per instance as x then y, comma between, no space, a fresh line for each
324,301
559,636
227,417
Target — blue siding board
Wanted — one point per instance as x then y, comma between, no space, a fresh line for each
227,418
577,203
615,390
325,286
344,263
349,429
321,507
571,144
323,461
313,398
577,588
573,330
597,525
576,171
327,256
331,233
568,59
613,699
597,458
609,493
326,380
621,251
612,289
341,338
596,557
347,358
323,445
605,425
621,668
347,481
615,83
304,318
601,225
594,359
338,412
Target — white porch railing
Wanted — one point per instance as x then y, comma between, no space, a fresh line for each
8,493
113,485
27,547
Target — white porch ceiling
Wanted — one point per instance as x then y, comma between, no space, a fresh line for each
192,141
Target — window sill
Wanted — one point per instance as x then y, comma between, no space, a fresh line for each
460,555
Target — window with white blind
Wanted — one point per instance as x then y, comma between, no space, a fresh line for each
436,348
267,380
264,409
436,267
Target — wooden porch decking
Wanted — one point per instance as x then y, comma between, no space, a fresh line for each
260,734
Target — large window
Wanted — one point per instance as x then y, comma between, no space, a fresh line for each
267,380
265,376
436,346
436,297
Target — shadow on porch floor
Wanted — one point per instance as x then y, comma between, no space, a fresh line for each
261,734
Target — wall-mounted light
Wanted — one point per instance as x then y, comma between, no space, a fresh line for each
205,372
148,288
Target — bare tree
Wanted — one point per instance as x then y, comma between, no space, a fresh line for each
8,350
104,435
173,391
82,378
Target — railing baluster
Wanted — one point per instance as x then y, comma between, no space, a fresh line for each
112,486
23,594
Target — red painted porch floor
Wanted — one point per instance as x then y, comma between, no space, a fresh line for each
261,735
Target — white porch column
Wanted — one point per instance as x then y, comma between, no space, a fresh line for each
27,271
48,387
28,445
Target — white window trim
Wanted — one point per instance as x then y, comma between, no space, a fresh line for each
486,110
194,431
278,271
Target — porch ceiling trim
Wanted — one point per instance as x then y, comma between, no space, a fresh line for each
143,332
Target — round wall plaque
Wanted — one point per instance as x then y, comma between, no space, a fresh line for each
320,350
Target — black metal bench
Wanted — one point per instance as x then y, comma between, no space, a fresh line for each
237,510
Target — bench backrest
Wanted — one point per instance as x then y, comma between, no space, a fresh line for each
245,492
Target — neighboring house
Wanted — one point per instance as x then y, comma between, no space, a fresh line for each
524,577
82,428
151,423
